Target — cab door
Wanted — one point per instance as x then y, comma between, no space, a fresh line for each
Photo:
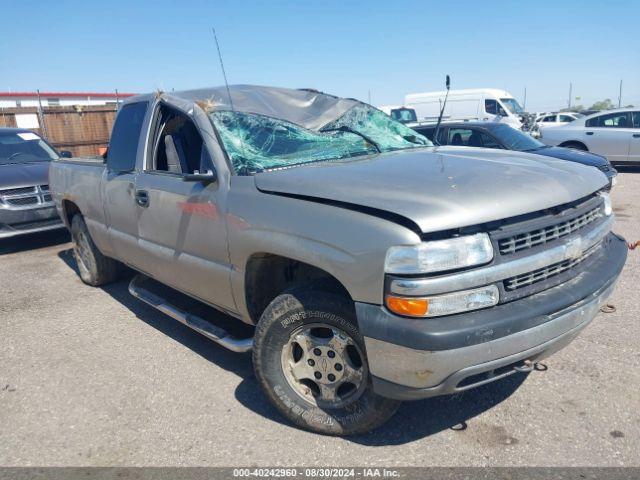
118,184
609,135
634,146
182,229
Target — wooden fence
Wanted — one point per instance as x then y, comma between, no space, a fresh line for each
79,129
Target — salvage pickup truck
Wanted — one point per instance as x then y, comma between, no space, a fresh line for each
370,266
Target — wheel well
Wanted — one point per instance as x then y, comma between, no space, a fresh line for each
571,143
69,209
268,275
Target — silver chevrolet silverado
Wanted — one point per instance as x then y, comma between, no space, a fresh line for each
370,266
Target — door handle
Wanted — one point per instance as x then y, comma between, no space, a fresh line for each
589,133
636,135
142,198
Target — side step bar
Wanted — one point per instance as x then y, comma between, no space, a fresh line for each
212,332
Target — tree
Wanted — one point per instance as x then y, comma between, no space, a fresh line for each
574,108
605,104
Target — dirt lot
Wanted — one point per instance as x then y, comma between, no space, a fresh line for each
94,377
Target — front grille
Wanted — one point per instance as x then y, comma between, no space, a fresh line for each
25,197
545,273
17,191
21,202
544,235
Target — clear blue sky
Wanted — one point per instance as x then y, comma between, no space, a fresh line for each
349,48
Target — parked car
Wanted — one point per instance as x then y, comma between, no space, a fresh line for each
614,134
26,205
498,135
556,119
374,267
484,104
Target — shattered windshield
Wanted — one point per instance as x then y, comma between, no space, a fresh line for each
378,127
256,142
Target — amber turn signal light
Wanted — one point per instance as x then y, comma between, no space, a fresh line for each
412,307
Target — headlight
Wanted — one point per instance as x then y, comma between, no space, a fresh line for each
608,209
448,304
440,255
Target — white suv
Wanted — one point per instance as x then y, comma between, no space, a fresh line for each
614,134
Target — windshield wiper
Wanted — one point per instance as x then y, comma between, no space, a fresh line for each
344,128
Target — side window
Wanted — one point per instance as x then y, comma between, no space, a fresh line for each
636,119
427,132
566,118
612,120
488,141
179,147
549,118
491,106
123,146
459,136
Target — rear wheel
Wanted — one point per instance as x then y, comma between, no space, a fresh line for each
575,146
95,269
310,360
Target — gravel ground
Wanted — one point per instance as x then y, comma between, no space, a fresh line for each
91,376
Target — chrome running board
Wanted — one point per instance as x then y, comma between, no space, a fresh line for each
212,332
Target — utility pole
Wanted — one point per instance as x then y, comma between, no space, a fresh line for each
369,97
620,95
524,102
570,89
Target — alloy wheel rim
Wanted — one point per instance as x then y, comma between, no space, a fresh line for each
324,366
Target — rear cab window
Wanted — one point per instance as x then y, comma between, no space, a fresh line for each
123,147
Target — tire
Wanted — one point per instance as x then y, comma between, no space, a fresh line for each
576,146
95,269
311,324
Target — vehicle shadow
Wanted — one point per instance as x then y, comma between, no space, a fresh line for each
413,421
628,168
33,241
240,364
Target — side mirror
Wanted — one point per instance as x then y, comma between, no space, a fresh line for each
501,112
206,178
66,154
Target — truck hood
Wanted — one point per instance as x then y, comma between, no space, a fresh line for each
18,175
441,188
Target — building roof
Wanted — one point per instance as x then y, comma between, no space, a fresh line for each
67,94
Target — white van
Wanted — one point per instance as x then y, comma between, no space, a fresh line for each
484,104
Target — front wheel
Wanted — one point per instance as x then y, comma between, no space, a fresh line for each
309,358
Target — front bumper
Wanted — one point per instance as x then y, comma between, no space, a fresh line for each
22,221
419,358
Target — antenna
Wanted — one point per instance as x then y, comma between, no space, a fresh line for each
444,104
224,74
